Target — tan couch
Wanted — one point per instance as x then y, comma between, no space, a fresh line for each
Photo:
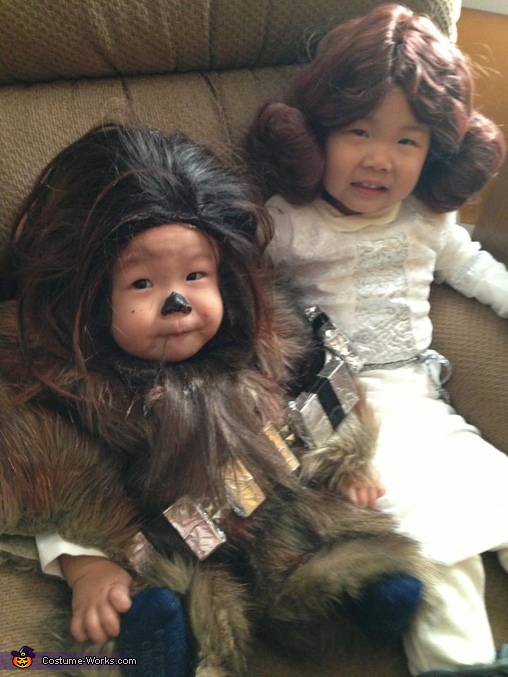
202,66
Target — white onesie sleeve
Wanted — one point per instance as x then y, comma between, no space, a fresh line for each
50,546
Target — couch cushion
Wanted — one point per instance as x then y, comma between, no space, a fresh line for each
474,340
37,121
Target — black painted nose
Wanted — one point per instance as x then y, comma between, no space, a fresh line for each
175,303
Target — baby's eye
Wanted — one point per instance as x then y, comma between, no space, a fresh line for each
142,284
194,276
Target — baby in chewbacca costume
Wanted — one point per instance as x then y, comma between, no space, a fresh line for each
145,368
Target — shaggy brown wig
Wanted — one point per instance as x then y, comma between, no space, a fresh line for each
87,205
356,64
92,199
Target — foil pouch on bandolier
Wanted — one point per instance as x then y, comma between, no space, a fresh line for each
328,394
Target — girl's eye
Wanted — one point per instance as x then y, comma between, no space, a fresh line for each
407,142
357,131
142,284
194,276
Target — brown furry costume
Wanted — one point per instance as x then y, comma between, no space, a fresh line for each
63,468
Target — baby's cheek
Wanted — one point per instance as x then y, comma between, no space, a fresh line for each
213,307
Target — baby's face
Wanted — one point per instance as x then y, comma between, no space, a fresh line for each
166,301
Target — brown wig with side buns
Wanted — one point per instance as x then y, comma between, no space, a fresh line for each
356,64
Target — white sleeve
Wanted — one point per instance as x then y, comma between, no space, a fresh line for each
486,280
50,546
473,272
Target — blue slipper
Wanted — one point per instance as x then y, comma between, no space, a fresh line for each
499,668
385,608
153,631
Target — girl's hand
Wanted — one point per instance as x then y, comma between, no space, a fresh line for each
364,491
100,593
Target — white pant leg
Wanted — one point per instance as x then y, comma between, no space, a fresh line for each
445,484
454,630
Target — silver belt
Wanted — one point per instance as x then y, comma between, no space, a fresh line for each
425,357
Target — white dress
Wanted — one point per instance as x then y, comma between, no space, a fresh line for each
446,486
372,276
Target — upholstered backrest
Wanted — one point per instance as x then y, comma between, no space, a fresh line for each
202,66
43,41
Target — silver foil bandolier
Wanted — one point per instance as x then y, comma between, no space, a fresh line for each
320,408
311,418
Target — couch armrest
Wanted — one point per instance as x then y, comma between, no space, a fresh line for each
474,339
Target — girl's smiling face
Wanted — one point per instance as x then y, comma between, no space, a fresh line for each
161,261
376,162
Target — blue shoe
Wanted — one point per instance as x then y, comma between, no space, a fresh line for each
499,668
154,632
384,610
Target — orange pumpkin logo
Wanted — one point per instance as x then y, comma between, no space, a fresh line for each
23,658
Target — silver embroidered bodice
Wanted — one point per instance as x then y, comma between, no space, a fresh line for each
372,275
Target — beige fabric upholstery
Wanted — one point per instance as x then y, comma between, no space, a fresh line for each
202,66
53,40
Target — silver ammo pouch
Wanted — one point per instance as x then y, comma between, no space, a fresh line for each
318,411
